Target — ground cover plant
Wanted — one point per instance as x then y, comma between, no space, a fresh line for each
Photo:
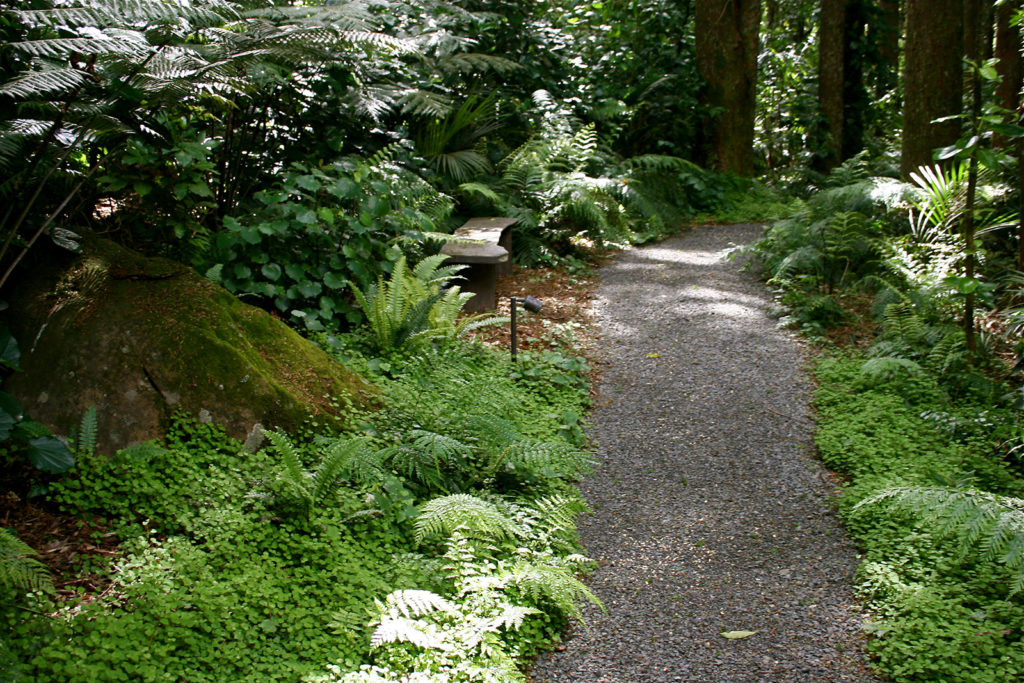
442,513
923,425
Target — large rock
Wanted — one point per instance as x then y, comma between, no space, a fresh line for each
141,338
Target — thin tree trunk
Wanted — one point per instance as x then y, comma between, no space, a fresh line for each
1008,64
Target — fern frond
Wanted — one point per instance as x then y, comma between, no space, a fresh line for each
47,83
293,473
463,512
555,584
545,458
20,568
990,524
887,367
404,630
416,603
346,460
85,444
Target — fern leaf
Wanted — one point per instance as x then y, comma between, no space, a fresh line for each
20,568
463,512
86,442
416,603
346,459
555,584
293,473
402,630
991,524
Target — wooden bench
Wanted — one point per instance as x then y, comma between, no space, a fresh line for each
485,246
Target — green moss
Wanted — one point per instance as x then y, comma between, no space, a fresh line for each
142,338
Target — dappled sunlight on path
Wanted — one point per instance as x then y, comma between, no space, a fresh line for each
709,513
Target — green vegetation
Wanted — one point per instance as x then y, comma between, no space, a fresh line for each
307,556
311,158
924,423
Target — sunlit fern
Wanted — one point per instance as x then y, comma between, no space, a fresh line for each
470,515
985,523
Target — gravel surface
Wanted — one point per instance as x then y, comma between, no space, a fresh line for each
710,512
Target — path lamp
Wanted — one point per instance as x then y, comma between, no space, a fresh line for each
529,303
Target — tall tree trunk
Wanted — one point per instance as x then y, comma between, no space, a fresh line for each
1008,64
727,46
831,44
855,95
888,46
932,79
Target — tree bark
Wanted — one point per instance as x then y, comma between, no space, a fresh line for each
1008,64
932,79
888,46
727,47
831,43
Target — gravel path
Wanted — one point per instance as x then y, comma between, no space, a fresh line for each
709,513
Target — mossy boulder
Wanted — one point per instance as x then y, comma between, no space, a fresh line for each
141,338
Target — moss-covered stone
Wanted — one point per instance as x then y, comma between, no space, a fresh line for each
140,338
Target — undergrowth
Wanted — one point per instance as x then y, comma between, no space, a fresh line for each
941,587
437,539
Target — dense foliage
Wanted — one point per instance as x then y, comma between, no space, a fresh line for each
311,158
452,506
926,425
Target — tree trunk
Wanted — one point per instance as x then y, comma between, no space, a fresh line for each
855,96
831,42
888,46
727,46
1007,52
932,79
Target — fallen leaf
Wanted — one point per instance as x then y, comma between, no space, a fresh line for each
736,635
654,355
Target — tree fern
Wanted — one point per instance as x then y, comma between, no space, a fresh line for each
989,524
20,568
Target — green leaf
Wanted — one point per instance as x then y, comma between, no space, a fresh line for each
49,454
251,235
949,152
242,271
334,280
10,415
10,353
7,423
307,217
271,271
308,183
736,635
988,158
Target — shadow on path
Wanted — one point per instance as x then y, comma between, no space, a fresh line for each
709,513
